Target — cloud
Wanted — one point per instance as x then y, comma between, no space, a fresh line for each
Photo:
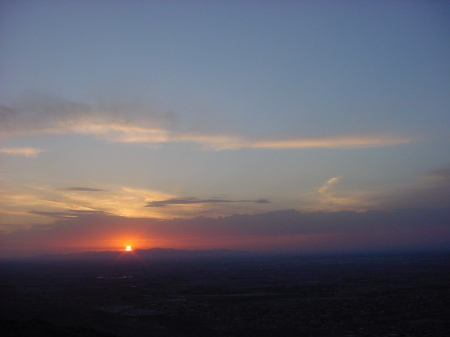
129,123
36,114
326,188
118,200
22,151
336,142
69,214
430,190
17,201
82,189
289,229
193,200
443,174
332,196
260,201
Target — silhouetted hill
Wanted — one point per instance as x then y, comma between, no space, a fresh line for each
143,254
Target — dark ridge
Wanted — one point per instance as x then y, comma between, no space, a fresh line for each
146,254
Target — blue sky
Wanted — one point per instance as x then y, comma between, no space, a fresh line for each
210,107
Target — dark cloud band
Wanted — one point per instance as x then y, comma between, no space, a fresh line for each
193,200
82,189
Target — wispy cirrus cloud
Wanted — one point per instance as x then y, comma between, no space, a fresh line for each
193,200
429,190
335,142
332,196
235,142
48,116
22,151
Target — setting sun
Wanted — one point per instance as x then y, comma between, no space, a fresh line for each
128,248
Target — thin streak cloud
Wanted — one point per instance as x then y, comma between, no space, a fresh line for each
62,117
337,142
193,200
120,133
22,151
82,189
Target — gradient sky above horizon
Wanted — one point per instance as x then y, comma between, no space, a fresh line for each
181,109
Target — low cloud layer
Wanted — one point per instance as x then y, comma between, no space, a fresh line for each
280,230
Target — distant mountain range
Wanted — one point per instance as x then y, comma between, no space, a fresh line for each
144,254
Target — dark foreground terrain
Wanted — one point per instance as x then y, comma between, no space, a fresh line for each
376,295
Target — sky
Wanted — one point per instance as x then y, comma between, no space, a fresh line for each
253,125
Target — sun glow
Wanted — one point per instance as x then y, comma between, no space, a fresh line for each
128,248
